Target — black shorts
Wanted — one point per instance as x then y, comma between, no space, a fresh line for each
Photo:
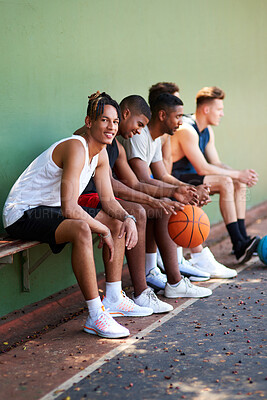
41,223
192,179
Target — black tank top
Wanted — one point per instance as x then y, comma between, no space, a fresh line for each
113,153
184,166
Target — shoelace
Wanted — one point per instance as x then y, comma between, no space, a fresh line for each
151,295
127,301
156,272
186,262
188,282
193,262
104,320
126,297
190,263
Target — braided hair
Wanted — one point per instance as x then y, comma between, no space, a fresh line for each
97,102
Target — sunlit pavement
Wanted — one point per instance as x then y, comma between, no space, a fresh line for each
214,349
209,348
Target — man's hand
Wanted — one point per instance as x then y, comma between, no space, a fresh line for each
167,205
129,228
106,238
248,176
186,194
203,192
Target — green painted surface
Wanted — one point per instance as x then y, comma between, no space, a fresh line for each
53,275
55,52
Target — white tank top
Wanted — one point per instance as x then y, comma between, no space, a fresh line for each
40,183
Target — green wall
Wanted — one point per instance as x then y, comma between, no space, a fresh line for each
56,52
53,275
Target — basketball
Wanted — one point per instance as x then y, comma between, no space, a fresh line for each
189,227
262,250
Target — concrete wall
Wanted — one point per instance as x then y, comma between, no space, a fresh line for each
56,52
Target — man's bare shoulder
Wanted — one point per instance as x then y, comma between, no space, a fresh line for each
164,138
185,127
185,133
68,150
103,155
122,156
120,146
72,144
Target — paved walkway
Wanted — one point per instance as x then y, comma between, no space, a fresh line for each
210,347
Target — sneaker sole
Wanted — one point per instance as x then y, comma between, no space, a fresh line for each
223,276
250,250
160,311
198,278
116,314
163,312
156,288
107,336
198,274
192,296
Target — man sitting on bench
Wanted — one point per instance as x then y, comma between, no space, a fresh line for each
196,161
43,205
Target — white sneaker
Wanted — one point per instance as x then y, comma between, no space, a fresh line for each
193,272
105,326
185,289
125,307
206,262
149,299
156,279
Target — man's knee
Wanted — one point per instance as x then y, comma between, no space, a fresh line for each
140,214
138,211
225,183
82,232
114,226
240,185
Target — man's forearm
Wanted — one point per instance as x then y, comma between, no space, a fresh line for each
138,196
113,208
71,211
212,169
221,165
171,180
157,189
161,188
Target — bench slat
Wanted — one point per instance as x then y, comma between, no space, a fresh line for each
10,246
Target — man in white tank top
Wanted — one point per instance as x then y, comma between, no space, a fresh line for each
43,205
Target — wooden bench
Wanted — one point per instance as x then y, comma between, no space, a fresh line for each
10,246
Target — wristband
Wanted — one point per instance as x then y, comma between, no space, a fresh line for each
105,236
130,216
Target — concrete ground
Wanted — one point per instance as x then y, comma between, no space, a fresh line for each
206,348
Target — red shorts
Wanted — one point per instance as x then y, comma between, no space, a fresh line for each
89,200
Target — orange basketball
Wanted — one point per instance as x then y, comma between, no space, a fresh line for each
190,227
